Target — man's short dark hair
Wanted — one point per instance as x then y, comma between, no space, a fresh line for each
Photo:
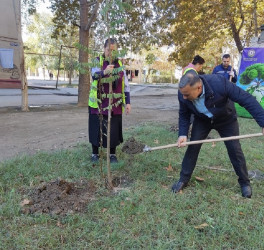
198,59
190,78
226,56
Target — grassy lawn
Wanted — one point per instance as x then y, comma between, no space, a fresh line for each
145,215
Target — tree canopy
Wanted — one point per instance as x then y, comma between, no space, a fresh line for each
197,23
193,27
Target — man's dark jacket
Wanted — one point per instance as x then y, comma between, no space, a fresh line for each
219,97
219,69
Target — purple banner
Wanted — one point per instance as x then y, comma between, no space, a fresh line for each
251,76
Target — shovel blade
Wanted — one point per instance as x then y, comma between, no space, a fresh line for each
146,148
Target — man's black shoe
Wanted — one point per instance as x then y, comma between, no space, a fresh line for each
178,186
94,158
246,191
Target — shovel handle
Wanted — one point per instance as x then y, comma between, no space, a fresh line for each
230,77
209,140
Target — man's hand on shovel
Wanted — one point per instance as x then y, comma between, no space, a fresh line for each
181,141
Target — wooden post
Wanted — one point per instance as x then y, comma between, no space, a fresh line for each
24,88
59,67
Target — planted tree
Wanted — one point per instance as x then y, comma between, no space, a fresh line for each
102,87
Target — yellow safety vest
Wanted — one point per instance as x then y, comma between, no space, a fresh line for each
93,101
185,71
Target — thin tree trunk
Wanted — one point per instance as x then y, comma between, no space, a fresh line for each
109,174
84,79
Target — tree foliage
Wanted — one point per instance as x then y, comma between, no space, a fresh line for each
30,6
191,26
45,47
196,23
66,13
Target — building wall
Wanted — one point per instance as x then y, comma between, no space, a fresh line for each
9,39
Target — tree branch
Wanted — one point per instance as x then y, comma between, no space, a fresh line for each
93,17
91,4
242,16
76,24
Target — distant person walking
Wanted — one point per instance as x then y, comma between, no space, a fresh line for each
226,69
51,75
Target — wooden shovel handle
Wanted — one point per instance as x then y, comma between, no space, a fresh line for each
230,77
209,140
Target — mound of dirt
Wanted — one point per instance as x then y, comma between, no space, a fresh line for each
131,146
59,197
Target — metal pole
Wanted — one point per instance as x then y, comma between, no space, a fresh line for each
59,67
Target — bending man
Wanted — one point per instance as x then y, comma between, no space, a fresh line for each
210,98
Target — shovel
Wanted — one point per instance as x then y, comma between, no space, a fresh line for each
147,149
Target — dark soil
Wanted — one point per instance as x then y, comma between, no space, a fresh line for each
61,197
131,146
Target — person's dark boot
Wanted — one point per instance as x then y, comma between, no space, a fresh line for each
246,191
178,186
94,158
113,159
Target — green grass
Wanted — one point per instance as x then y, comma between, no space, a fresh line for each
147,215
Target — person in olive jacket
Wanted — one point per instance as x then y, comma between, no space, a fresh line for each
211,99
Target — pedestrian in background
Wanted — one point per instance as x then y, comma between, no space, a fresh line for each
226,69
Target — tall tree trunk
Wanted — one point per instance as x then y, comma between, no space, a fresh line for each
84,79
237,39
234,29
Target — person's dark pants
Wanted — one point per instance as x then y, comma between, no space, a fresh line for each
200,131
116,134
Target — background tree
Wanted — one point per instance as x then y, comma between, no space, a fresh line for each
80,14
196,23
135,28
42,49
189,25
